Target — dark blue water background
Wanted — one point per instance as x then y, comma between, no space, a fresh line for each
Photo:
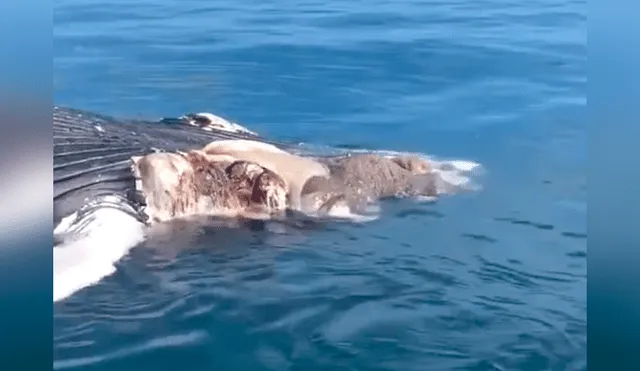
494,280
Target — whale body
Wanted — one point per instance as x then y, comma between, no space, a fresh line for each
97,217
91,153
99,209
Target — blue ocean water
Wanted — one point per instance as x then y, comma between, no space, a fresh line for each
491,280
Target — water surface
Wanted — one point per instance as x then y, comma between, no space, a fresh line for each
493,280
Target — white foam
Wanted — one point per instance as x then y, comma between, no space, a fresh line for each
456,175
452,178
91,249
464,165
425,199
343,212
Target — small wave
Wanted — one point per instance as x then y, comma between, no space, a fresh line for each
371,213
171,341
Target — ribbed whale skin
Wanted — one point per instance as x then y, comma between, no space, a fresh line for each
92,153
97,209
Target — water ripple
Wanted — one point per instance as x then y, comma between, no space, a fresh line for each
172,341
490,281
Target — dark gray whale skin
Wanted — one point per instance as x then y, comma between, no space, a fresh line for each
91,154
